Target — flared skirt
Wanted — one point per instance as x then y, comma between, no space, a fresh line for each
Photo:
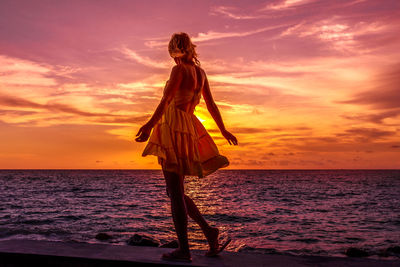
182,145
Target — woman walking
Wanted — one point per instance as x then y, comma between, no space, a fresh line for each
182,144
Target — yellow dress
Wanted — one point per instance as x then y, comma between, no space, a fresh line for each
181,142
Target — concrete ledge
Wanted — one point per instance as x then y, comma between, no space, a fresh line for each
47,253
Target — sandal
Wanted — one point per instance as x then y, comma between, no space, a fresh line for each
220,248
171,256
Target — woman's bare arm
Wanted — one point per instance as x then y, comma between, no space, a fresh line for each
216,115
212,107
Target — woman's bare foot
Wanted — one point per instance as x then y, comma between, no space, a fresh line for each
212,238
177,255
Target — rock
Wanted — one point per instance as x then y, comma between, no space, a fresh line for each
171,244
390,251
356,252
142,240
393,249
383,253
103,236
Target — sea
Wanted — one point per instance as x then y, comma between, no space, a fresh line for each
296,212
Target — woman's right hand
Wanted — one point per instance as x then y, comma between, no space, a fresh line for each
230,137
144,133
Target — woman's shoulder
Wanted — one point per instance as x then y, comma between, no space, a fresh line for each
178,70
178,67
203,72
181,68
187,69
200,69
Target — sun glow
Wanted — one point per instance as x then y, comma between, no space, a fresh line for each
200,117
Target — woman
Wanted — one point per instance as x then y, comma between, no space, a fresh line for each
182,144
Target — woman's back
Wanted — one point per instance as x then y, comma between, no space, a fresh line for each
189,92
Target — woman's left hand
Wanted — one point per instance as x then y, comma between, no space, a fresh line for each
143,133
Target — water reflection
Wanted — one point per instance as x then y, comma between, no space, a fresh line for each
305,212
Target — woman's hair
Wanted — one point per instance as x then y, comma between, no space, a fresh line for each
180,45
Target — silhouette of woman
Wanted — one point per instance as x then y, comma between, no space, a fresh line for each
182,144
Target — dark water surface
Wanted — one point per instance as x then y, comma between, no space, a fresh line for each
320,212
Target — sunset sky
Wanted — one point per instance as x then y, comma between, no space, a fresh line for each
301,83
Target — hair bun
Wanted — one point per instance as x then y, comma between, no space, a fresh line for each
180,45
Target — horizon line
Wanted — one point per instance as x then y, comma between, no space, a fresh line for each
294,169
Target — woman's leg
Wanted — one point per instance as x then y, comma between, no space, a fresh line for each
178,209
195,214
211,233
